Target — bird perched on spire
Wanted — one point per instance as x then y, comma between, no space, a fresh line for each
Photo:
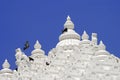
65,30
16,69
31,59
26,46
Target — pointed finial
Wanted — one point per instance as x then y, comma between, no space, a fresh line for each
18,50
37,50
69,24
102,46
68,17
101,42
6,64
37,45
85,36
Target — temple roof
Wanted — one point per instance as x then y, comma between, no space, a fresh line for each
69,34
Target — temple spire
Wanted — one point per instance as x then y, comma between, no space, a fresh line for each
85,36
6,68
69,36
37,49
68,17
6,64
18,53
37,45
102,46
69,24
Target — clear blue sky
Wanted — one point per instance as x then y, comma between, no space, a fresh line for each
43,20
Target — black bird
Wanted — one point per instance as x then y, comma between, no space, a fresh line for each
31,59
26,46
47,63
65,30
16,69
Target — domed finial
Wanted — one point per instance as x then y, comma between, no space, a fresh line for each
37,45
85,36
18,50
69,24
37,51
102,46
6,64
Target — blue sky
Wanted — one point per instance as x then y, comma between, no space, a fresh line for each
43,20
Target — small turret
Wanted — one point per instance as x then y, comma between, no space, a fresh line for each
37,50
6,67
69,36
70,33
18,53
94,38
6,73
6,64
20,56
69,24
101,54
102,46
85,36
37,45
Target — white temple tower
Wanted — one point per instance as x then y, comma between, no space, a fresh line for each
75,57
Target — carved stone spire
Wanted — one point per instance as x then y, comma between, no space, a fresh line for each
102,51
69,24
6,67
70,37
37,45
85,36
6,64
18,53
102,46
18,50
38,50
70,34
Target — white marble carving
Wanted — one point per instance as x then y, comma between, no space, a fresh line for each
75,57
